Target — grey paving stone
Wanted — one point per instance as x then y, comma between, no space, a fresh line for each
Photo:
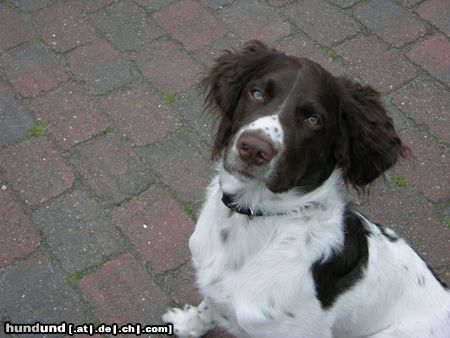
315,18
111,167
31,5
77,231
15,120
126,25
35,290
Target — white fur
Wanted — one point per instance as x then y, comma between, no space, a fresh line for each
258,282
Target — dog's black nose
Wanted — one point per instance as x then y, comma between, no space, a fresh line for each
254,149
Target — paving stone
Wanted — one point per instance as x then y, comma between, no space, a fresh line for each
154,4
208,54
190,24
183,164
277,3
409,3
91,5
126,26
35,290
249,19
70,113
31,69
18,236
190,105
11,37
428,159
437,12
15,120
408,214
31,5
35,170
121,292
400,121
164,64
383,68
314,18
111,168
301,46
427,103
62,27
433,55
100,66
139,114
78,232
182,287
345,3
158,228
382,17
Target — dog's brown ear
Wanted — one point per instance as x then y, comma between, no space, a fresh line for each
368,144
224,83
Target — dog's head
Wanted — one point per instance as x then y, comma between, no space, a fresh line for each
287,122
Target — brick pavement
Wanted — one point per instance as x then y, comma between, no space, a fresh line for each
104,149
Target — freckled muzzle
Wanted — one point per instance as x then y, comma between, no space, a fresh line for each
256,148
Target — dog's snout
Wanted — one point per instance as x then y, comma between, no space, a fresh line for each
254,149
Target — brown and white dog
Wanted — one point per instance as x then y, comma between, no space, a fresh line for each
277,250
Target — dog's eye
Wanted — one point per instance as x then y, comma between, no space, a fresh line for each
313,120
257,95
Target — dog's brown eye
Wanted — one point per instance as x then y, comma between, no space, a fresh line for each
257,95
313,120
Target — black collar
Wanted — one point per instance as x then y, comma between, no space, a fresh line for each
230,203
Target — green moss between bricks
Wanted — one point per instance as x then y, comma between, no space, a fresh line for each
76,276
446,221
189,210
169,99
334,56
400,181
40,128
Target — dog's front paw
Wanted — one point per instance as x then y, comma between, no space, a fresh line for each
187,322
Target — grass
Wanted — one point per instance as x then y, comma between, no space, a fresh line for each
446,221
169,99
40,128
334,56
39,39
76,276
107,131
189,210
400,181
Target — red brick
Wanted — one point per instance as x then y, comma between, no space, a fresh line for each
189,23
62,27
408,214
139,114
158,228
100,66
382,17
433,55
18,237
383,68
111,168
164,64
121,292
250,20
437,12
301,46
31,69
428,159
13,32
315,18
35,170
428,104
183,163
71,115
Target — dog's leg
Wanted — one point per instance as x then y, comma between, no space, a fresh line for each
191,321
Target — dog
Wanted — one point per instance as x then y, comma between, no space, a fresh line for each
277,250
